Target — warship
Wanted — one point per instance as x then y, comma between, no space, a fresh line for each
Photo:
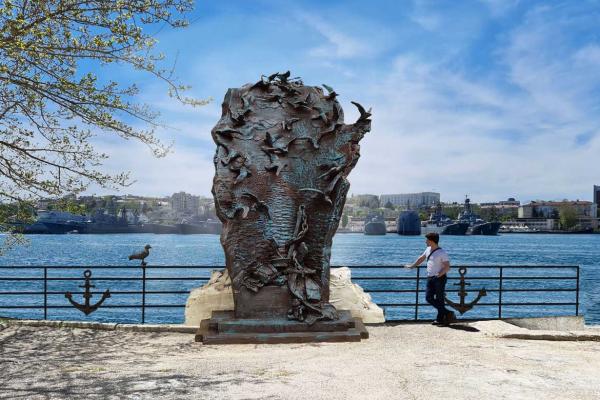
51,222
375,225
408,223
477,226
195,226
443,225
60,222
105,223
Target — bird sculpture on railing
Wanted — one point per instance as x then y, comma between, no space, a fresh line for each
141,255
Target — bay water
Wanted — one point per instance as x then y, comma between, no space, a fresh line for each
352,250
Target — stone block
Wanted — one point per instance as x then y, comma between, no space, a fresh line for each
225,328
216,295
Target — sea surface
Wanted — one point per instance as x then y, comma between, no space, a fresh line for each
352,250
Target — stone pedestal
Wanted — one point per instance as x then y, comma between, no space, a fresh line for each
216,295
225,328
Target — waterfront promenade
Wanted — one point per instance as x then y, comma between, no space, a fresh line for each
410,361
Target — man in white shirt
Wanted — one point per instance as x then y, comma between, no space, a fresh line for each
438,265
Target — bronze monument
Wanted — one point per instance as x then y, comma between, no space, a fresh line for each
282,158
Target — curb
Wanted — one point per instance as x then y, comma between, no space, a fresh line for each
556,337
102,326
591,334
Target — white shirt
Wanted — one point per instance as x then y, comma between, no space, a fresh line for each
434,264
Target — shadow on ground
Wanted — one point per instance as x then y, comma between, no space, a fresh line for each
460,327
80,363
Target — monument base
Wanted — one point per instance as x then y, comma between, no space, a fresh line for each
225,328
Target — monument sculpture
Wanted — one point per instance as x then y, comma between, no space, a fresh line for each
282,158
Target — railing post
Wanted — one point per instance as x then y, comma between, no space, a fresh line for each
45,292
143,294
417,295
500,294
577,294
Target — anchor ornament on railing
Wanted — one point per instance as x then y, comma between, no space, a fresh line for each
463,307
87,308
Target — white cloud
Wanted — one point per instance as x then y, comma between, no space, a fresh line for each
510,132
188,167
429,22
589,55
499,8
435,129
338,44
425,15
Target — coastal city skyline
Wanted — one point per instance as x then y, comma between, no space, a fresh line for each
487,98
592,196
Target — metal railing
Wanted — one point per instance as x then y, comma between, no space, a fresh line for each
518,284
398,291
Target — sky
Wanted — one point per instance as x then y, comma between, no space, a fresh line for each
486,98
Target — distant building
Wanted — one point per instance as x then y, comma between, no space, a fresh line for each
365,200
416,200
505,207
185,203
540,224
43,204
586,211
511,202
551,209
596,196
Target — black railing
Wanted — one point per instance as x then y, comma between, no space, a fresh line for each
516,281
398,291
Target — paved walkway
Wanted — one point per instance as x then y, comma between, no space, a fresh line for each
414,361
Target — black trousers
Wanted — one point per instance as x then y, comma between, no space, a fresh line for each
434,295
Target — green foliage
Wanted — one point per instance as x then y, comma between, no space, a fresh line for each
423,216
52,105
366,200
493,214
568,217
69,206
389,205
130,205
360,213
451,212
490,214
14,212
10,214
344,220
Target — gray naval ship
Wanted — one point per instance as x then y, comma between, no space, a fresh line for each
61,222
375,225
408,223
190,226
477,226
51,222
101,222
441,224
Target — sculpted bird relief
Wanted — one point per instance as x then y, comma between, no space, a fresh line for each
283,155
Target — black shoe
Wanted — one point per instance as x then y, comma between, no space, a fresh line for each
450,318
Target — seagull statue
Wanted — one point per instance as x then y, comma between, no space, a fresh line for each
364,115
141,255
331,95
